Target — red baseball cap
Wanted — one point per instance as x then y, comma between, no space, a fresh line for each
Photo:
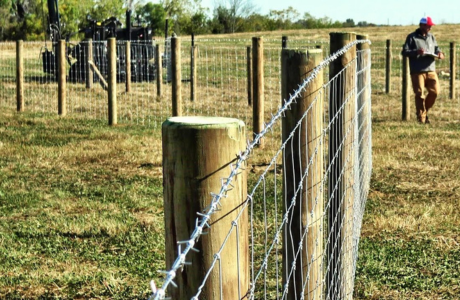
427,20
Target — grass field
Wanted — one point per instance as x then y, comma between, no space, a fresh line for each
409,248
81,209
81,204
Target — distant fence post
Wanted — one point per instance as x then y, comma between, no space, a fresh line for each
176,83
128,65
388,68
405,89
304,152
61,78
340,188
19,76
112,81
197,153
89,56
193,56
258,86
453,70
284,42
159,69
249,74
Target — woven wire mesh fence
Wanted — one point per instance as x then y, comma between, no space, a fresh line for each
39,91
305,207
222,77
220,86
8,74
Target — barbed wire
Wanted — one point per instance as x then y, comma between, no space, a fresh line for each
202,222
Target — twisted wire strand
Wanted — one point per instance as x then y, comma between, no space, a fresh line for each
202,222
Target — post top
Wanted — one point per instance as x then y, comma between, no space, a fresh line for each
311,50
194,121
338,33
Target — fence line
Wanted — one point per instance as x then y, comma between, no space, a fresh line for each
447,107
362,172
221,76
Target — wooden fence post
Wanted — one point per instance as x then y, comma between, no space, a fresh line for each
112,81
364,107
258,86
303,152
88,69
193,56
128,66
249,73
61,79
405,89
388,68
341,161
197,154
284,42
453,70
364,80
176,83
159,69
19,76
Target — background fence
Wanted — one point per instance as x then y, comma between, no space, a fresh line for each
221,72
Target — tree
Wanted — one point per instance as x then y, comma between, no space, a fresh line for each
181,13
308,21
221,20
73,15
365,24
349,23
6,10
104,9
177,8
154,15
284,18
198,24
256,22
235,13
26,20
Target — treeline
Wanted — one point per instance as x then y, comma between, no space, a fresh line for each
29,19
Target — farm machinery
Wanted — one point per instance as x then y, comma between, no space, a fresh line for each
142,48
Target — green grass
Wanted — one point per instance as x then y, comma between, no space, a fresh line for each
394,268
80,209
409,248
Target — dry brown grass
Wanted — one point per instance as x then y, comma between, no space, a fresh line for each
82,210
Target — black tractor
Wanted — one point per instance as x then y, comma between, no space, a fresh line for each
142,48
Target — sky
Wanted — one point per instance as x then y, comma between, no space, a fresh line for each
380,12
